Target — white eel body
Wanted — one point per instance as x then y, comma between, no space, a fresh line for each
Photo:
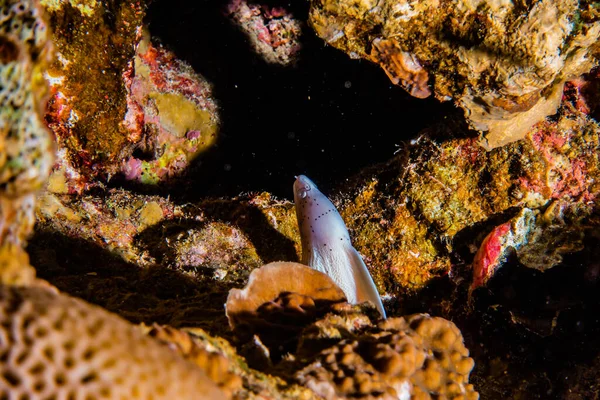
326,244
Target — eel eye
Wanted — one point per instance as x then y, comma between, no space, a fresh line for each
304,191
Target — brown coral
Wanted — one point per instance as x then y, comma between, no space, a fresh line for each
401,67
280,299
54,346
418,357
282,290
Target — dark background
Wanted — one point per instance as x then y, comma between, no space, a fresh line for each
277,121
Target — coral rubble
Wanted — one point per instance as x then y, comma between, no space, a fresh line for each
504,63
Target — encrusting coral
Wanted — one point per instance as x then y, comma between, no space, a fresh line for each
504,63
55,346
95,43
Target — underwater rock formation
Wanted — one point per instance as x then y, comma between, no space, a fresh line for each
273,31
26,147
171,115
444,187
503,63
142,114
403,216
95,43
57,346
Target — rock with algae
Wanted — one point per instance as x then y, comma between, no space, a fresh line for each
273,32
95,43
26,147
55,346
504,63
171,115
407,217
121,104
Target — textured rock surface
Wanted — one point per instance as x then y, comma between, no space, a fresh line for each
171,115
95,42
504,63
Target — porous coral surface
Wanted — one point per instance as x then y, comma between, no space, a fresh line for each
59,347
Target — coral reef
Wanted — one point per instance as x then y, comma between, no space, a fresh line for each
408,217
273,32
57,346
339,352
442,218
171,115
503,63
442,188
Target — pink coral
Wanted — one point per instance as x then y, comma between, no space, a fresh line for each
171,117
273,31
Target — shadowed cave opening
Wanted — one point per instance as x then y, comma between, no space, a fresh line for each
328,116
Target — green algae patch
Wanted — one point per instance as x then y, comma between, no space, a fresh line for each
151,214
179,116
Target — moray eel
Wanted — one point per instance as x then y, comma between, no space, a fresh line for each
326,244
